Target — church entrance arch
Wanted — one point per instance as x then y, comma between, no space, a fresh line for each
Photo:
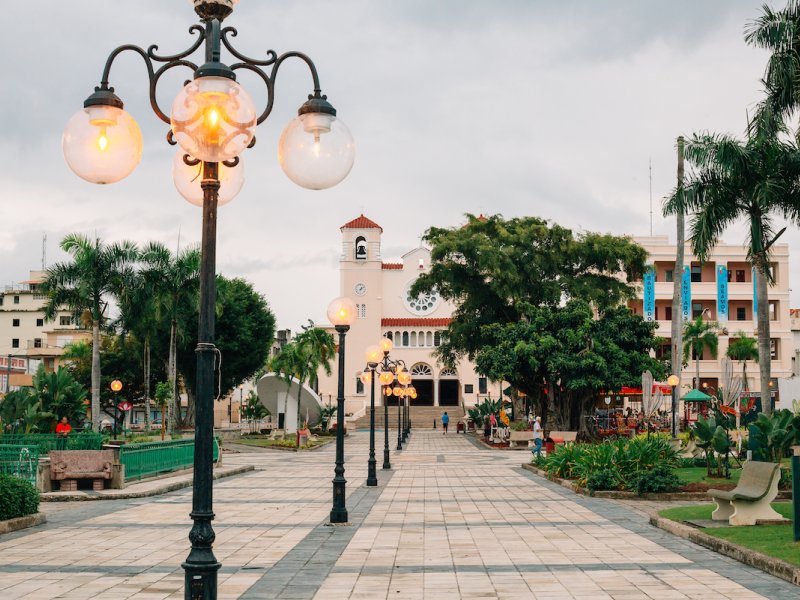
422,380
448,388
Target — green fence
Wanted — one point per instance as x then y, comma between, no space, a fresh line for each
49,441
152,458
19,461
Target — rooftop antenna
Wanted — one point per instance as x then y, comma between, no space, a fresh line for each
650,169
44,251
178,248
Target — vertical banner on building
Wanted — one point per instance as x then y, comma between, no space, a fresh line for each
755,297
686,293
650,294
722,294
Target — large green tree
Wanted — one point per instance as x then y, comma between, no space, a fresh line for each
245,328
699,336
540,307
315,351
755,181
84,285
741,347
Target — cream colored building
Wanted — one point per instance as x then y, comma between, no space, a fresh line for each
26,336
728,261
384,306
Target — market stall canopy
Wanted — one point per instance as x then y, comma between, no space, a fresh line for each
696,396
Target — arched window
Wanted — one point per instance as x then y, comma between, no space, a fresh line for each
397,337
447,372
405,338
429,339
437,338
361,248
359,386
421,370
413,339
389,335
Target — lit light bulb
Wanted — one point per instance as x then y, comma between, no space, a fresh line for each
102,140
189,178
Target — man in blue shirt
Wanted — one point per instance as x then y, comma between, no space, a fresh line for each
445,421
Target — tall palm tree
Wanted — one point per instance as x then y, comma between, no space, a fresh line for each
756,181
287,364
315,350
698,336
743,348
84,286
175,280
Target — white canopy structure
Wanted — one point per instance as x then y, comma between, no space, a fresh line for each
278,397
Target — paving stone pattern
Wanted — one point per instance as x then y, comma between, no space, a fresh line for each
452,520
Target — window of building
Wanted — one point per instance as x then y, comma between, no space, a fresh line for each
482,385
62,320
774,348
15,322
741,313
361,311
37,342
359,386
405,338
1,300
668,274
773,269
437,338
16,299
361,248
697,310
697,274
739,275
668,313
15,343
389,335
429,339
773,310
40,322
468,387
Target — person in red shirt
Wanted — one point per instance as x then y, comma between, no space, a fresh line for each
63,428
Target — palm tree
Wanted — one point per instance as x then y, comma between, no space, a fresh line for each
315,351
743,348
286,364
754,180
174,279
699,335
84,285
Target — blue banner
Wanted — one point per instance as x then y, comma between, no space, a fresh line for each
755,297
650,294
686,294
722,294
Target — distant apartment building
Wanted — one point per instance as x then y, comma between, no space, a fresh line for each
26,338
721,289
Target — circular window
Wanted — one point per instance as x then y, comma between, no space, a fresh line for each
423,304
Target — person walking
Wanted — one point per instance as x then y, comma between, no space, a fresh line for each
537,436
445,421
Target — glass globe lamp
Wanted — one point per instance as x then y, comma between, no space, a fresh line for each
187,179
398,391
404,378
213,118
386,378
102,144
373,355
341,311
386,345
366,377
316,150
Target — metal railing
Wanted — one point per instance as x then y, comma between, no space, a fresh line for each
19,461
153,458
50,441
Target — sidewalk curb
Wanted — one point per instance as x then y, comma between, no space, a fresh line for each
773,566
18,523
169,487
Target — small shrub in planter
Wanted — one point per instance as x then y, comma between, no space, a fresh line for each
605,479
659,480
18,498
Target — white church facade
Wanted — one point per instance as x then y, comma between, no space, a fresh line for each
385,308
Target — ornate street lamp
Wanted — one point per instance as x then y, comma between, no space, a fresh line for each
116,386
673,381
340,314
213,121
373,355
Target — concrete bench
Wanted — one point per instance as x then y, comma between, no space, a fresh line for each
518,437
566,437
67,466
750,500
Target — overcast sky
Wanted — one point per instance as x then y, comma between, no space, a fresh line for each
519,107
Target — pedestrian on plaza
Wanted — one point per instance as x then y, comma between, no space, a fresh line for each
537,437
445,421
487,429
63,429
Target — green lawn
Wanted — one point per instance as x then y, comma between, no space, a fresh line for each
267,443
699,475
772,540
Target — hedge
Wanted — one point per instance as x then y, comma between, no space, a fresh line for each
18,498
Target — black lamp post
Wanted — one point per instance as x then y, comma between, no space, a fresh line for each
340,313
368,376
673,381
388,371
116,386
213,120
386,463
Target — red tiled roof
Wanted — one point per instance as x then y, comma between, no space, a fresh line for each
794,312
416,322
361,222
391,266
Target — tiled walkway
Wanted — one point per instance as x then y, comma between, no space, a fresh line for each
450,521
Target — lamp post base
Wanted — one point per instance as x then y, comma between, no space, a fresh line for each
200,582
372,476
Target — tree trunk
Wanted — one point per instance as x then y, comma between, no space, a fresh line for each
697,368
175,409
677,278
764,360
299,393
96,375
744,377
146,360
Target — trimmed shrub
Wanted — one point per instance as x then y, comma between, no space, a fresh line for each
605,479
18,498
658,480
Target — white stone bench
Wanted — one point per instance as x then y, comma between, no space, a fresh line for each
519,437
750,500
567,436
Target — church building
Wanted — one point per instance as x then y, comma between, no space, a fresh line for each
415,324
